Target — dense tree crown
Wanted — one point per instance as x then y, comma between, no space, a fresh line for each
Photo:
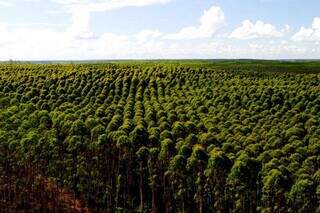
159,138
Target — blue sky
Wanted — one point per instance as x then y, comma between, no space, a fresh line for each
139,29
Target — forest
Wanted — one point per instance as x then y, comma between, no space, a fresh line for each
176,136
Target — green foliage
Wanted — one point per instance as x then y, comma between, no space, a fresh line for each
192,136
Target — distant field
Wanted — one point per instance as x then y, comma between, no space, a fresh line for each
160,136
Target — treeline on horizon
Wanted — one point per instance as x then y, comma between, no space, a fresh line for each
286,65
160,137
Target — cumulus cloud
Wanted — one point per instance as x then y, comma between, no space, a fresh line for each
105,5
12,3
210,21
146,35
202,40
80,25
34,45
81,10
5,36
76,40
280,50
6,4
249,30
309,34
3,27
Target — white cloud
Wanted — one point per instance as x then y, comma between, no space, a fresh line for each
81,10
6,3
80,25
77,41
280,50
309,34
32,44
316,23
5,36
249,30
286,29
3,27
12,3
210,21
146,35
105,5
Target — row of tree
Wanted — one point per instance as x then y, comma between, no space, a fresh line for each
161,138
